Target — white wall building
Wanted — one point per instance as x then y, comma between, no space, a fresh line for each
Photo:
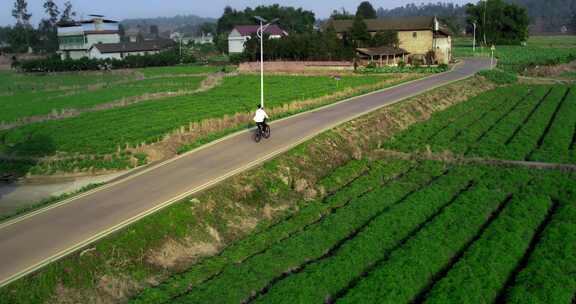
241,33
121,50
77,37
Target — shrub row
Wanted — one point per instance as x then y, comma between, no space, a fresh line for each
405,69
56,64
324,279
242,281
412,268
490,261
362,183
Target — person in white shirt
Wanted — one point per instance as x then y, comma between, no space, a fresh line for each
260,118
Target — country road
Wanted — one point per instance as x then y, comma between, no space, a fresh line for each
31,242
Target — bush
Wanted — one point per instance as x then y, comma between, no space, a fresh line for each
499,76
56,64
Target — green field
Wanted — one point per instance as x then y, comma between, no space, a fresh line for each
538,51
421,231
384,230
400,233
101,139
21,105
532,123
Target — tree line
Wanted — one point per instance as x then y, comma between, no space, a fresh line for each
43,38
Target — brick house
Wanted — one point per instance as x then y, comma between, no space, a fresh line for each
416,35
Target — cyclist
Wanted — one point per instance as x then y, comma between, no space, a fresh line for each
260,118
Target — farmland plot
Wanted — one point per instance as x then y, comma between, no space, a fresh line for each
536,123
107,131
417,232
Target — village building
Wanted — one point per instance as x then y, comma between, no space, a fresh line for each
121,50
241,33
416,35
75,38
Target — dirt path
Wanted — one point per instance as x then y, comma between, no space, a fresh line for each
479,160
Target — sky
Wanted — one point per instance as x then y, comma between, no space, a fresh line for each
126,9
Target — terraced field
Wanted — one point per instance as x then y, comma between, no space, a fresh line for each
403,232
531,123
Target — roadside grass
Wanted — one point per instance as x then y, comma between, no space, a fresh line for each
170,241
184,70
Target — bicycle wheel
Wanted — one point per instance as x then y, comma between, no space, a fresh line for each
266,133
257,136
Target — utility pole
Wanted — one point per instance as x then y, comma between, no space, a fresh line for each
260,34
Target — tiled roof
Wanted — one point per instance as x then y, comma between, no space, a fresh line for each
248,30
126,47
383,50
393,24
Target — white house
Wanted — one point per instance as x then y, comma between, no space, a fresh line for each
77,37
241,33
123,49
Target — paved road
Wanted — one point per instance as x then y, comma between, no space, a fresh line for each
33,242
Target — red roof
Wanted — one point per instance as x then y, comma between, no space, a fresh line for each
248,30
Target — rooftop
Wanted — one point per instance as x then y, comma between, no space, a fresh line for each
248,30
389,24
126,47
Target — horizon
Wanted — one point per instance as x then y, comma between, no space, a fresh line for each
157,8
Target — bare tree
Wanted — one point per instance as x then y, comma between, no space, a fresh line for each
68,13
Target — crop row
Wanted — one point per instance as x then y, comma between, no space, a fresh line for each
254,274
104,132
521,129
451,119
490,261
419,133
412,268
345,184
517,122
28,104
560,136
549,274
322,280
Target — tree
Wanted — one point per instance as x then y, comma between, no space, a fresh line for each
499,22
385,38
366,10
52,11
359,32
154,31
20,12
68,14
344,15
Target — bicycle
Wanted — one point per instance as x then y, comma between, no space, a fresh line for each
259,134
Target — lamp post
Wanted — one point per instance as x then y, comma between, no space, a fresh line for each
474,41
260,34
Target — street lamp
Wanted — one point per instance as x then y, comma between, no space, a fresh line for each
260,34
474,41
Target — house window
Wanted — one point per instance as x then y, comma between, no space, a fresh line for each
415,35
